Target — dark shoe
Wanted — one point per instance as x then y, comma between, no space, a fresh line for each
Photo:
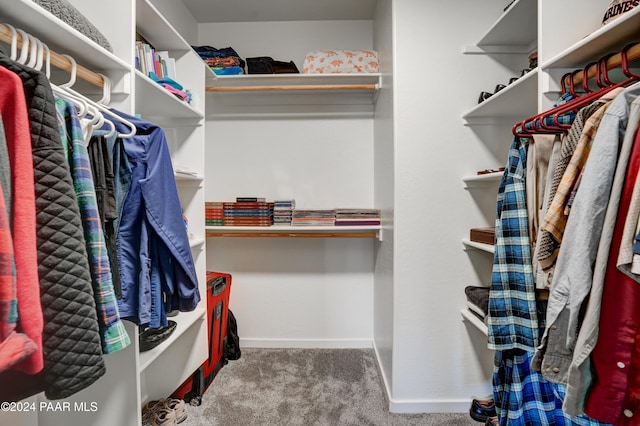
484,96
152,337
482,411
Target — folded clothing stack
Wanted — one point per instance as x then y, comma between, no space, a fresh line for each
225,61
341,61
268,65
478,300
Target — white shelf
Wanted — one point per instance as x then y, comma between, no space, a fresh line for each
357,89
157,30
152,100
478,246
515,31
59,36
184,176
517,100
184,320
286,231
475,321
487,177
196,242
247,80
606,39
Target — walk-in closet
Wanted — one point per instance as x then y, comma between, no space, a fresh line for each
413,141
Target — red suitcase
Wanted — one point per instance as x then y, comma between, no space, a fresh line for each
218,293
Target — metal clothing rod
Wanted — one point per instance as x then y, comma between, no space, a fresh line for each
614,61
57,60
293,87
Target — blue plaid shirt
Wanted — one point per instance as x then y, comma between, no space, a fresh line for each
566,118
513,322
113,335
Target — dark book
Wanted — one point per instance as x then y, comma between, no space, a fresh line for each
250,199
483,235
356,222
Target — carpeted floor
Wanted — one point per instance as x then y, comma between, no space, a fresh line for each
307,387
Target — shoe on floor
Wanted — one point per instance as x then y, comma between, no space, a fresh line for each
159,417
482,410
173,405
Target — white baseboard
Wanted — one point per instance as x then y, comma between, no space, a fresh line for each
400,406
429,406
306,343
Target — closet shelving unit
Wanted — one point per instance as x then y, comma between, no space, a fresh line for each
183,123
560,52
132,377
359,88
513,33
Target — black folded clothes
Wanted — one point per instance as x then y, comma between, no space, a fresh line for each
478,300
267,65
152,337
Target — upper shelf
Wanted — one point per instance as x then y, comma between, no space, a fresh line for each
518,99
608,38
515,31
59,36
155,28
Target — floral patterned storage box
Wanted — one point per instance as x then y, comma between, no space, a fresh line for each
341,61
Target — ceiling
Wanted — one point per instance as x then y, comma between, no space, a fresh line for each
279,10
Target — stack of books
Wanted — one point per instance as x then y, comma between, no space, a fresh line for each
213,213
248,212
313,217
282,211
357,217
149,60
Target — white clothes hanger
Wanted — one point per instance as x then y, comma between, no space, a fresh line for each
24,50
14,42
32,50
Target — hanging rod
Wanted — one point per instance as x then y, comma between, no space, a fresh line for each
293,87
57,60
612,62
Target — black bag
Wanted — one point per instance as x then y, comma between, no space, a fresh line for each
232,341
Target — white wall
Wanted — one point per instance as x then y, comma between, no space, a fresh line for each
438,362
293,292
384,192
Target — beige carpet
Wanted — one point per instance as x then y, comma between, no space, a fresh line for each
307,387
